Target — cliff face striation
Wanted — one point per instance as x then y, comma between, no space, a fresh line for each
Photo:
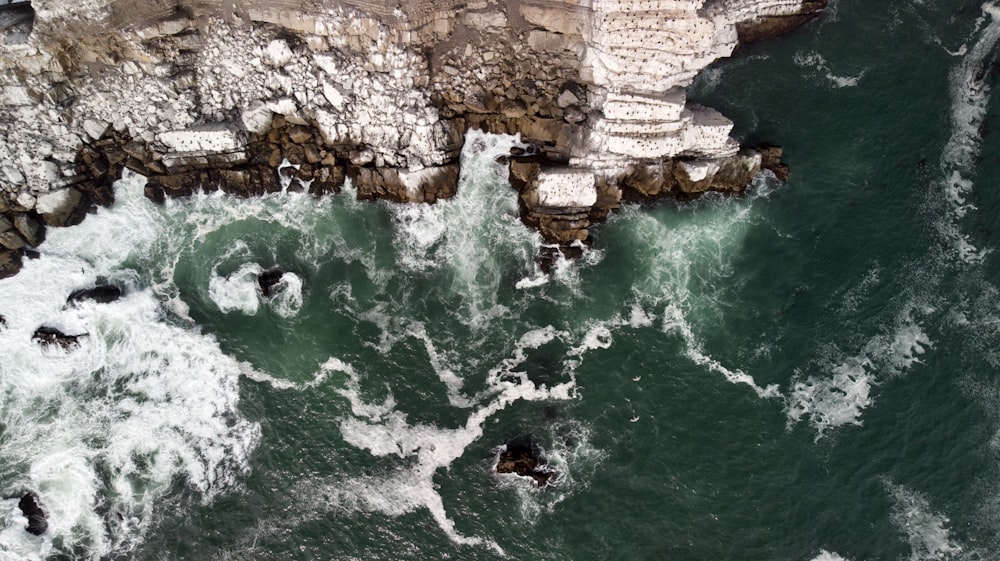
252,96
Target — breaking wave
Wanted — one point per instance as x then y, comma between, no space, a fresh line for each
472,238
686,265
102,430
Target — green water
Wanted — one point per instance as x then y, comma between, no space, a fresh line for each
807,372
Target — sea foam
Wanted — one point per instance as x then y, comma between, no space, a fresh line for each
101,432
926,532
471,238
839,397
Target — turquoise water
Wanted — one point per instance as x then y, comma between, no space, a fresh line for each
808,372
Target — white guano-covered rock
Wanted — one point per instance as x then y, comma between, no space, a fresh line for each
218,140
333,96
278,53
55,207
700,170
566,188
257,118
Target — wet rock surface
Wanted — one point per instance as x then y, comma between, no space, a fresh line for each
520,457
37,521
268,279
104,294
50,336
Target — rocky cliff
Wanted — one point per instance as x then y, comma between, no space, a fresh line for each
253,96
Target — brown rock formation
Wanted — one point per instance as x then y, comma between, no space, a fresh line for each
258,96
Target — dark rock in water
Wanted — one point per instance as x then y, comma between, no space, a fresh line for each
37,523
268,279
771,159
48,336
520,457
528,150
100,294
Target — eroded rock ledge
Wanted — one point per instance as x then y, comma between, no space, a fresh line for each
254,96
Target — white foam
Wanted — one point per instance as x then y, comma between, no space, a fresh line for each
236,292
452,381
679,255
926,531
472,237
674,322
825,555
840,397
532,281
835,400
638,317
383,430
286,296
123,404
969,101
812,59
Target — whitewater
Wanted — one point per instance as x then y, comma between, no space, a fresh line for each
806,372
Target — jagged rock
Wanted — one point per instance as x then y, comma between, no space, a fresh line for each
11,239
200,101
770,27
427,185
103,294
48,336
770,159
29,228
300,134
57,207
37,521
267,279
519,456
10,263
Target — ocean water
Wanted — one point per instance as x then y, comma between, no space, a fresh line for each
808,372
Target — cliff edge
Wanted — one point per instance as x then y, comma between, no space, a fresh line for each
253,96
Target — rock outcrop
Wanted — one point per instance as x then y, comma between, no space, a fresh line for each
257,96
268,279
37,521
520,457
47,336
102,294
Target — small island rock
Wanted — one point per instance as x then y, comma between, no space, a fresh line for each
37,522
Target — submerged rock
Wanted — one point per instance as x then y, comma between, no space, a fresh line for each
37,522
520,457
268,279
101,294
48,336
